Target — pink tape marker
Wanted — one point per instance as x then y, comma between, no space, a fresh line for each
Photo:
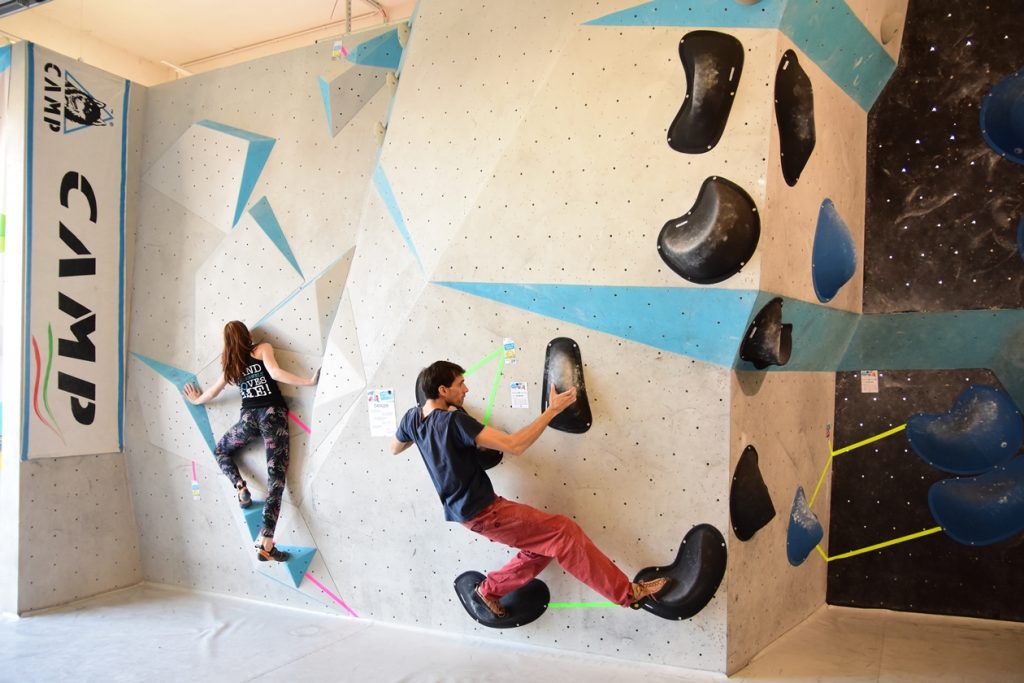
329,593
299,422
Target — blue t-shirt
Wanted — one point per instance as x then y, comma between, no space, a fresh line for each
446,442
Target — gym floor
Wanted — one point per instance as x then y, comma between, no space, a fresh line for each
155,633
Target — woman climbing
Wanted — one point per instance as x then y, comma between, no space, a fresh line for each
255,370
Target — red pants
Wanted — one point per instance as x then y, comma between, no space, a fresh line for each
542,537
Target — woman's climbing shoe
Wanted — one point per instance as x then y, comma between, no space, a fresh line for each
244,499
273,554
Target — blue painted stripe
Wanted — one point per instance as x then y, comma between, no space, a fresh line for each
717,13
834,37
829,33
5,58
325,93
180,378
262,212
236,132
120,274
31,115
703,323
380,181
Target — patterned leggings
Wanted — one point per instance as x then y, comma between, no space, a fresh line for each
272,424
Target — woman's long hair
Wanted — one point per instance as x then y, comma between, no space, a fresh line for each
237,345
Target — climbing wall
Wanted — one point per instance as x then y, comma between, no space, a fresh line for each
677,189
944,243
251,194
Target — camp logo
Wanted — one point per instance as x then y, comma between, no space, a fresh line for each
68,105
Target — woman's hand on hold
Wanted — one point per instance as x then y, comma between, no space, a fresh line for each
192,393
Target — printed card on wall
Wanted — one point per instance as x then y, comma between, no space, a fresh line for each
74,339
381,403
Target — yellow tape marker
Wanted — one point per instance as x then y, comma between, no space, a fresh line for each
865,442
901,539
846,449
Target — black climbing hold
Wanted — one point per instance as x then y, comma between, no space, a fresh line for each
695,575
712,62
984,428
713,240
768,341
521,606
488,457
750,503
794,112
563,366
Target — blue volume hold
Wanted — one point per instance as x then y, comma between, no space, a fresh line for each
983,429
834,257
981,510
805,530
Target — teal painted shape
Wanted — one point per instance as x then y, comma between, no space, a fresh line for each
254,517
325,93
384,51
284,302
255,159
707,13
834,256
832,35
5,58
380,181
265,218
703,323
180,378
299,561
821,335
829,33
943,340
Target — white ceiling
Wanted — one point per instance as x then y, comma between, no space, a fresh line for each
140,39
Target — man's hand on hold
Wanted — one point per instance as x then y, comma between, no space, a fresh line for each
560,401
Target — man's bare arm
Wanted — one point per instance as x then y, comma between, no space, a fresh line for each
517,442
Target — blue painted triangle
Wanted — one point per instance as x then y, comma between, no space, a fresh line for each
265,218
721,13
254,517
299,561
704,323
325,93
5,58
384,51
179,378
255,159
380,181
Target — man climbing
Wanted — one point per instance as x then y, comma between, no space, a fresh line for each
448,439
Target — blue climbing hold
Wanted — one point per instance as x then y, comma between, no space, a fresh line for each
254,517
1002,118
299,561
805,531
834,258
983,429
1020,237
984,509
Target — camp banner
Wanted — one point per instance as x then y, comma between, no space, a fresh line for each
74,262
